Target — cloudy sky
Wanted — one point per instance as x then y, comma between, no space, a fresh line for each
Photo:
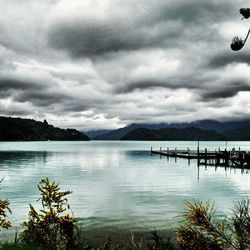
94,64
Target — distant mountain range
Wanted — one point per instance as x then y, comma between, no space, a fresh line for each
231,130
173,134
17,129
95,133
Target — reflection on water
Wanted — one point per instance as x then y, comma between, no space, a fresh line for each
117,183
20,158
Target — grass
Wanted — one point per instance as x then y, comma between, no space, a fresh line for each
113,238
19,246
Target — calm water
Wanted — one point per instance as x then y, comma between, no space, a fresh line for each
118,183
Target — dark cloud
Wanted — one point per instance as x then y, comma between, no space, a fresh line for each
226,90
149,84
15,112
39,94
40,98
159,26
179,81
140,85
7,84
99,39
193,12
224,59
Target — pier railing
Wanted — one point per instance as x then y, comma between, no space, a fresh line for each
235,158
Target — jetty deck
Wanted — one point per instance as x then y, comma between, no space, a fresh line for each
235,158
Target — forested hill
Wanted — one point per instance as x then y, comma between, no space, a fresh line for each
168,134
18,129
240,134
219,127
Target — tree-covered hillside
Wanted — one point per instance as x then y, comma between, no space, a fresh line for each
184,134
18,129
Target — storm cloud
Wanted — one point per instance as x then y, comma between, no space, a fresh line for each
104,64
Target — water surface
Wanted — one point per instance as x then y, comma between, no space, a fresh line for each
118,183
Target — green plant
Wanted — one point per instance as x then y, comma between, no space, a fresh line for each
201,229
4,209
20,246
53,226
241,224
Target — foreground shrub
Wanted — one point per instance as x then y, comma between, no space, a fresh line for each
4,209
200,228
53,226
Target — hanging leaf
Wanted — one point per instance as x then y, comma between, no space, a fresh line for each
245,12
237,43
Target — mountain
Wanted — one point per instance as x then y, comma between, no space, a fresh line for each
217,126
239,134
220,126
94,133
117,134
172,134
18,129
142,134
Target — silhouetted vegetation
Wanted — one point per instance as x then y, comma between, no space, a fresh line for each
202,230
189,134
240,134
53,226
237,42
17,129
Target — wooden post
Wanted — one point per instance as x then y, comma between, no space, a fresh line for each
188,152
226,161
160,153
218,160
241,160
205,156
198,155
175,155
198,174
168,153
226,158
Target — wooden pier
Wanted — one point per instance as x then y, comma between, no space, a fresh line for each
234,158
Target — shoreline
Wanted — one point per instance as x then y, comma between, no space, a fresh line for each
97,237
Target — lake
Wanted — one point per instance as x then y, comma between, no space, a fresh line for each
118,183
